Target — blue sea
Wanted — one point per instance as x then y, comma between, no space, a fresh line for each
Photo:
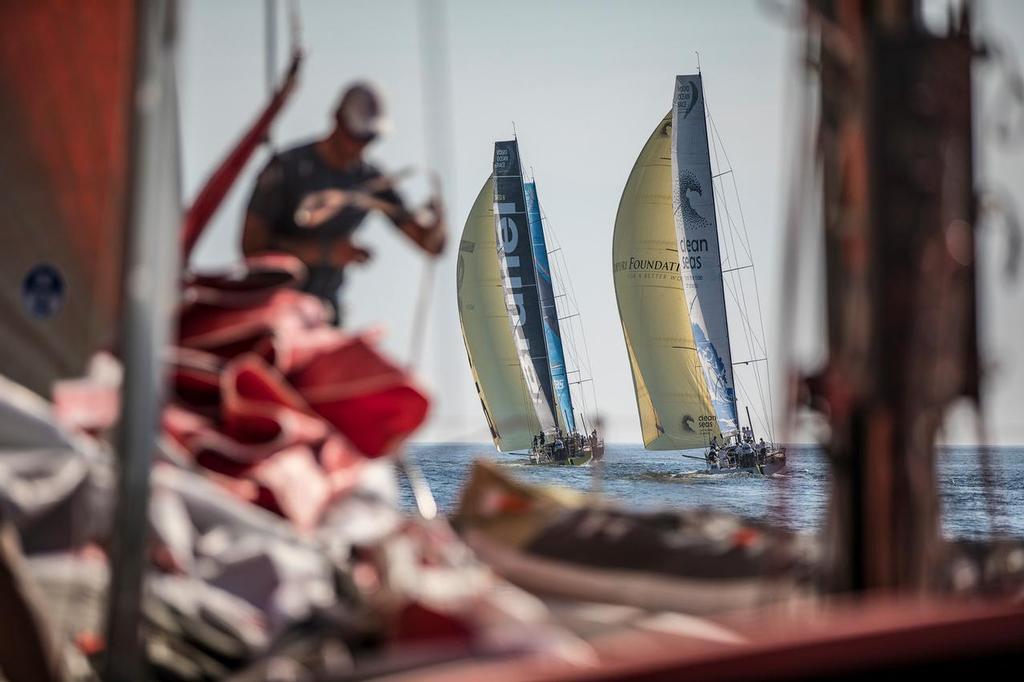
796,499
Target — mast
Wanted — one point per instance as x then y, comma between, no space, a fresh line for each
150,275
902,321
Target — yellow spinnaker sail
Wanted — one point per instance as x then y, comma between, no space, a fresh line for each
671,393
488,334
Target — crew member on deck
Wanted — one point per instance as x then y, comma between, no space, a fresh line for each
310,199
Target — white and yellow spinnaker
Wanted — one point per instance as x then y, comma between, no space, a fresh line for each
671,393
484,315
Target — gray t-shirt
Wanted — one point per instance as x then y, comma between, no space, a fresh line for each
291,176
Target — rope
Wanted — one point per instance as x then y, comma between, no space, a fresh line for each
420,318
431,24
223,178
754,342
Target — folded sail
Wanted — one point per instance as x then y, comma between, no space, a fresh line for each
693,202
549,313
671,393
66,74
515,257
490,344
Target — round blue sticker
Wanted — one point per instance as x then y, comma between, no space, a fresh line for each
42,291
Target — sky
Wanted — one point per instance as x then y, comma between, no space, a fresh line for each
584,82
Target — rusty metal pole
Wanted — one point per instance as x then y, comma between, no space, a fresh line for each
899,214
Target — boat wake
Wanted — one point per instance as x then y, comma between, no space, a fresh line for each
690,476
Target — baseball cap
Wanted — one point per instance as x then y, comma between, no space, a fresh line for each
362,112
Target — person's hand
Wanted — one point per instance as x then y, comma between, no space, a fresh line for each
316,208
434,225
343,252
436,209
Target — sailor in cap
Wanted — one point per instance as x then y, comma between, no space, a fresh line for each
310,199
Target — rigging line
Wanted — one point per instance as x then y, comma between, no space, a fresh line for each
757,299
742,309
716,141
743,305
568,288
745,235
420,312
739,267
581,366
722,204
584,358
749,398
750,336
749,332
718,175
760,390
568,291
732,236
725,153
555,278
436,71
746,238
713,149
759,415
721,197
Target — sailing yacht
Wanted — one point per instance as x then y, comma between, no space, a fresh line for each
669,282
511,324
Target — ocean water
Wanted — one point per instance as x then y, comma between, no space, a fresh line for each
796,499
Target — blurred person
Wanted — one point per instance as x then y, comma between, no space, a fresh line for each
310,199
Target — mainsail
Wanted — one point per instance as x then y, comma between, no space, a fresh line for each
671,392
696,227
490,343
549,312
515,257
